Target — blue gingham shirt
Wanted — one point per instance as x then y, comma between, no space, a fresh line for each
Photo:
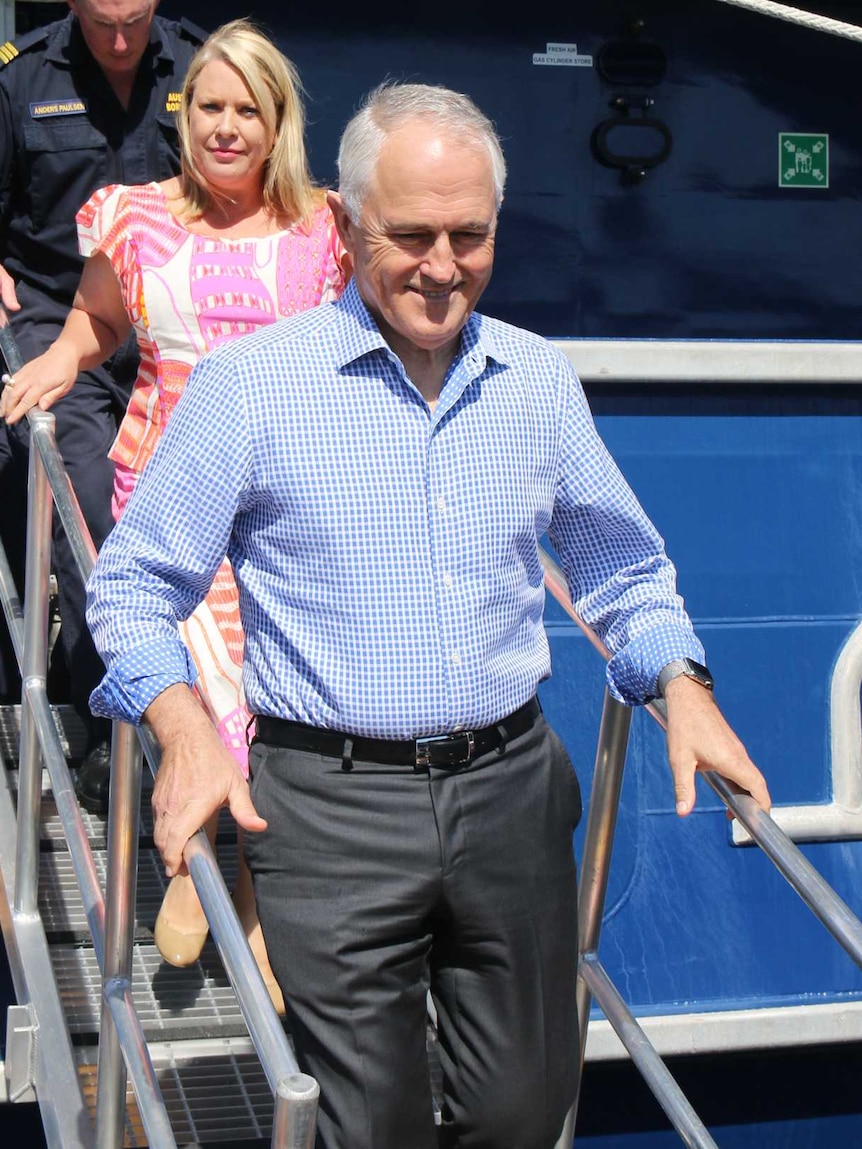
386,555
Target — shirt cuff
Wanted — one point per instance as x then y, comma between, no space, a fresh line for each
135,679
632,673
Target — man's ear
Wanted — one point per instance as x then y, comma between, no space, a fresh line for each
343,223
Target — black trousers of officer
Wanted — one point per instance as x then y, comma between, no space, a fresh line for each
86,426
376,882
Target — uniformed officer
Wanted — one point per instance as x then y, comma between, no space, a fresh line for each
84,102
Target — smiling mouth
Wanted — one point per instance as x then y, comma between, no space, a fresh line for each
438,296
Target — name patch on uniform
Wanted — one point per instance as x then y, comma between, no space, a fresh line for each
58,108
172,102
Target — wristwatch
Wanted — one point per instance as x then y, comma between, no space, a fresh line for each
684,666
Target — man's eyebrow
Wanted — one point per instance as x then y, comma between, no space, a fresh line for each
483,225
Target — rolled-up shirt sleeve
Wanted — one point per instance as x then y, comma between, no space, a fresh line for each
622,583
159,560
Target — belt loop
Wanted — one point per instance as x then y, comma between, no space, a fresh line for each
504,738
347,755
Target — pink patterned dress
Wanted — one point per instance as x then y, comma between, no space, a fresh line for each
184,295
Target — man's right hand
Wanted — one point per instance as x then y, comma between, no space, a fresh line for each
8,295
197,776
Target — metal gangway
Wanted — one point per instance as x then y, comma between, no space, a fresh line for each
46,1060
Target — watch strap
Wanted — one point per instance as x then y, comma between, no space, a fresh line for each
688,668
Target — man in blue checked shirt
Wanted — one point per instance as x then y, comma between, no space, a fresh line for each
380,472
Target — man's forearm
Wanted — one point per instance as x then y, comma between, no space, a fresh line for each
175,716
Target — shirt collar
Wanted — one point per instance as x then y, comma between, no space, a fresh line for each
360,335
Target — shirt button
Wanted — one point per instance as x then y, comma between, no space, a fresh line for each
441,503
447,579
455,658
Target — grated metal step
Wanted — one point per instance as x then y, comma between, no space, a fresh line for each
211,1095
69,727
217,1091
173,1004
222,1097
60,901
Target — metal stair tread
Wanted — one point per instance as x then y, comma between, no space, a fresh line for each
209,1098
173,1004
60,901
96,825
69,726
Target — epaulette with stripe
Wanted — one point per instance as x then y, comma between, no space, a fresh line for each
13,48
195,34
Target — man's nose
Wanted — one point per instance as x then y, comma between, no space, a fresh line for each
121,44
440,261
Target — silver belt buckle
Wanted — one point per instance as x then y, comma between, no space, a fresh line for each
423,747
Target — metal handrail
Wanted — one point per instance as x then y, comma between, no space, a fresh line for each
110,917
817,894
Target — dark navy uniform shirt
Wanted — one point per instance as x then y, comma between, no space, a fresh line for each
64,133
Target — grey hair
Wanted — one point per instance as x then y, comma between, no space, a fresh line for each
391,105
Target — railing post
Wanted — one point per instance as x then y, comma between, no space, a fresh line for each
599,840
295,1118
595,863
124,809
34,676
12,608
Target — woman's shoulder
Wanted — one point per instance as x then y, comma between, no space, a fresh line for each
117,199
121,216
134,194
146,200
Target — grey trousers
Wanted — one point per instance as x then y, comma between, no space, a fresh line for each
375,883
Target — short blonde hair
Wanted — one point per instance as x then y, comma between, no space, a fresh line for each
288,189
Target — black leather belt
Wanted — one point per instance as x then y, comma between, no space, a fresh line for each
440,750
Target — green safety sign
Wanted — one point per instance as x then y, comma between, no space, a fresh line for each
803,160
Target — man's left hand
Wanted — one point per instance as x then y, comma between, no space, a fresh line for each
699,738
